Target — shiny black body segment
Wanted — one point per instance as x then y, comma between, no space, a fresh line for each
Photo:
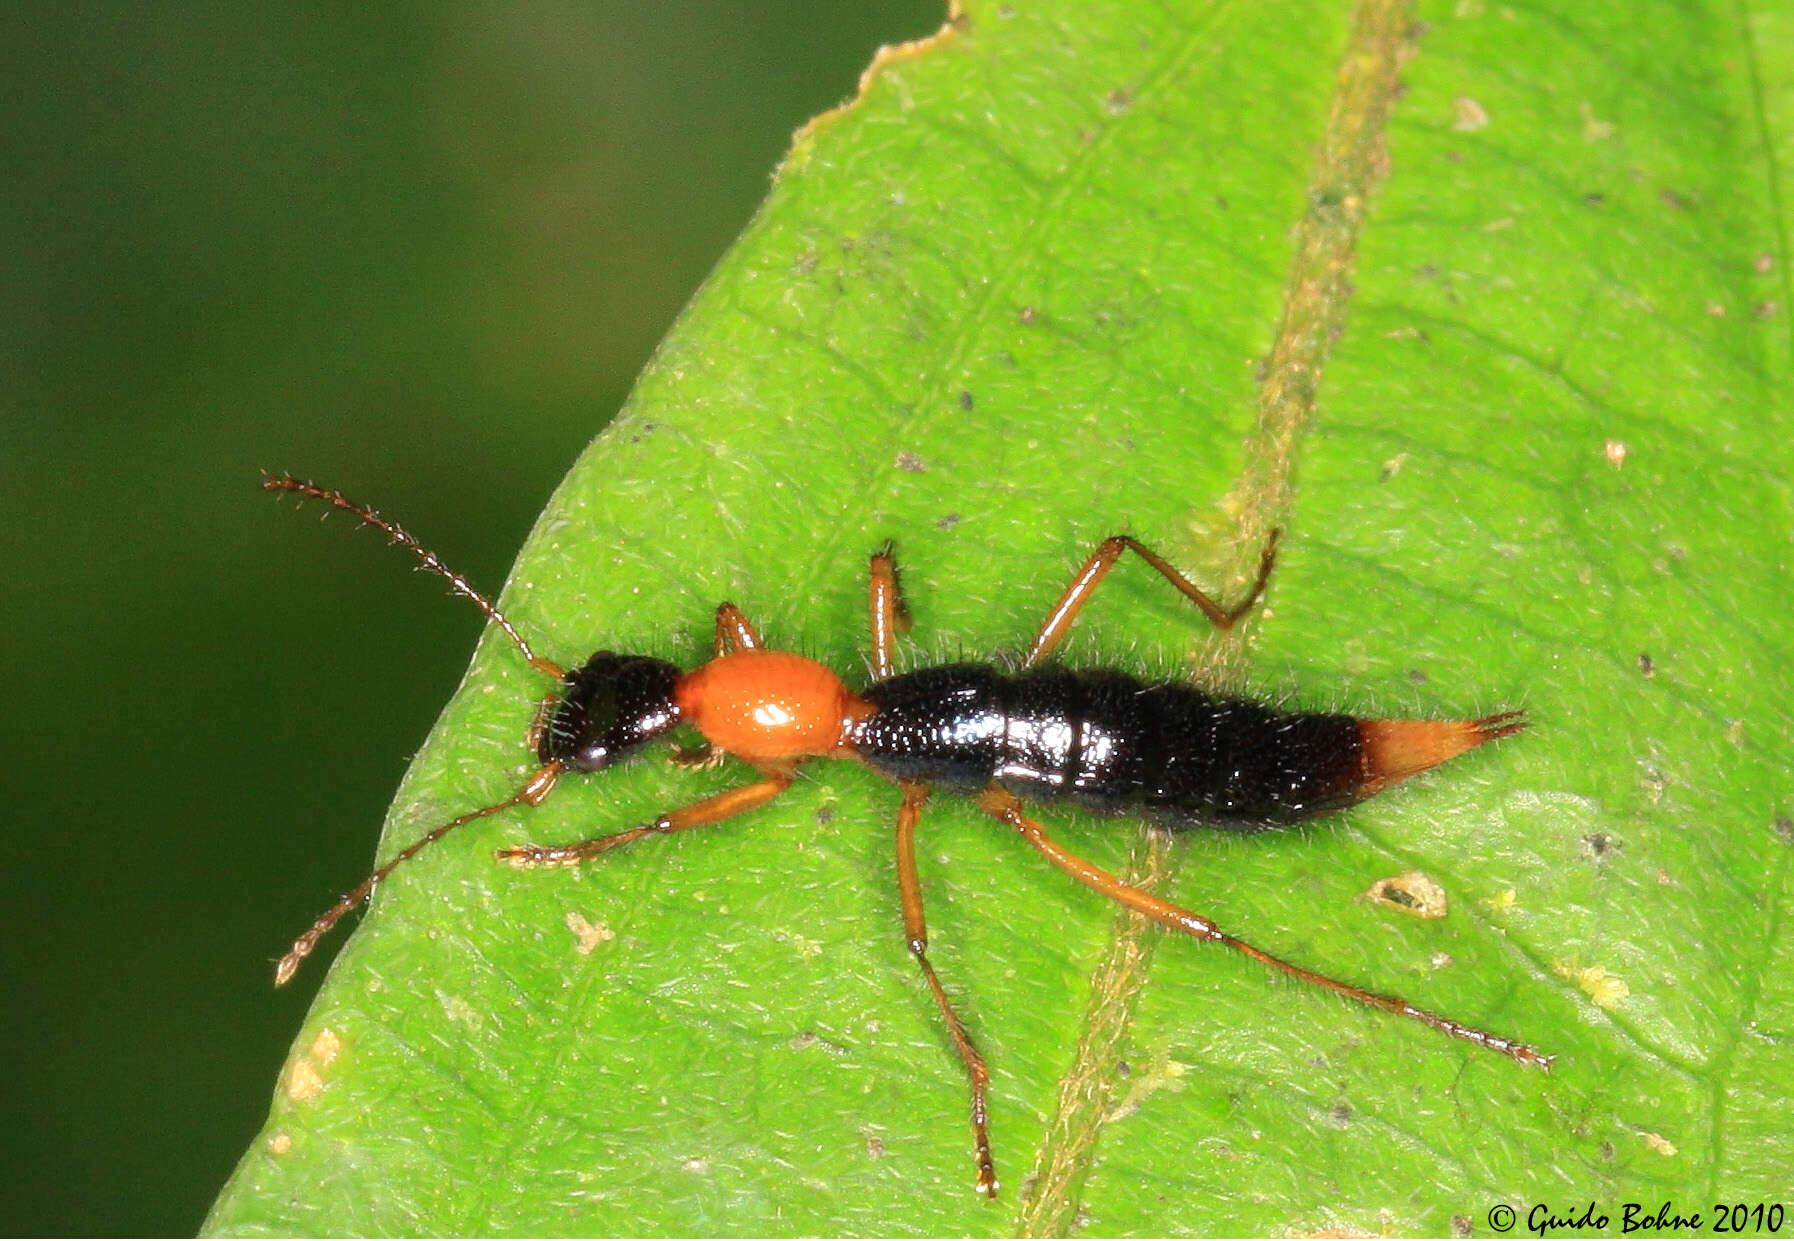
1112,743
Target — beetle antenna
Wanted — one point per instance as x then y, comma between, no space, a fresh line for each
530,794
400,537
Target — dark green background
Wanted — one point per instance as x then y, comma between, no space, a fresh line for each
417,252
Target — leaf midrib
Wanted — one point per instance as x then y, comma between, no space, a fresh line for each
1316,296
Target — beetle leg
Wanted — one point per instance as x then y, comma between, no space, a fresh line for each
724,805
915,930
1059,621
1005,807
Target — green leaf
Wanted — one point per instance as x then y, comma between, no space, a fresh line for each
1487,306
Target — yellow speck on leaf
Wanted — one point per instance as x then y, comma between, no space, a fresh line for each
305,1075
1160,1073
587,935
457,1009
1605,989
807,948
304,1083
325,1047
1467,115
1594,129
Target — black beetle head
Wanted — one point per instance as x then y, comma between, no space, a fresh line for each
610,708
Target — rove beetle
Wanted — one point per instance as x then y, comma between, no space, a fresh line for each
1104,740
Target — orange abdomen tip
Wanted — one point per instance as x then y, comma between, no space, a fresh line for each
1397,749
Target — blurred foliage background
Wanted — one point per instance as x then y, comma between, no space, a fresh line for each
415,251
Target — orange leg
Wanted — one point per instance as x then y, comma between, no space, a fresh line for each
915,930
889,616
531,794
1059,621
724,805
732,626
1005,807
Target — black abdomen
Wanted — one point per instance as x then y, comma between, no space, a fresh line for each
1112,743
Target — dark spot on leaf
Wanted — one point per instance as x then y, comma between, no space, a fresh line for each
1765,310
1607,1151
911,463
1123,1068
1784,827
1454,157
1416,676
947,522
1646,665
965,399
1396,896
875,1146
1594,199
1117,101
1675,201
825,814
1220,202
1026,315
1763,264
1460,1226
1599,844
1340,1116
